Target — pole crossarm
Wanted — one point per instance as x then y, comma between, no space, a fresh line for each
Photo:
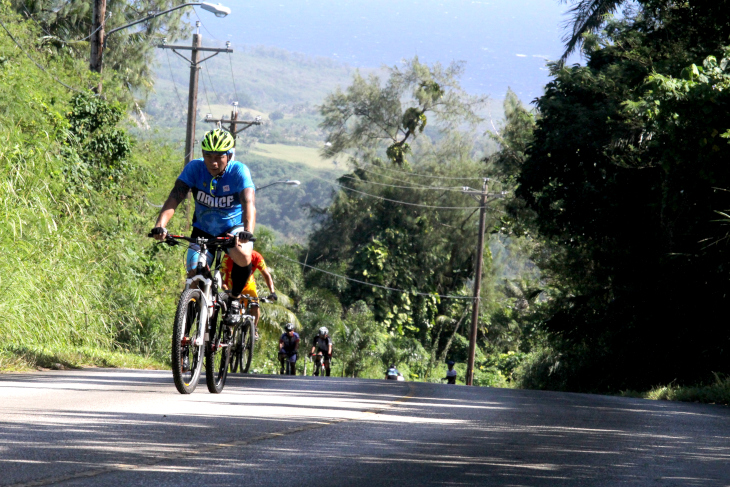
216,50
247,123
189,48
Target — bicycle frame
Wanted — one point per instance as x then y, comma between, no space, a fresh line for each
208,285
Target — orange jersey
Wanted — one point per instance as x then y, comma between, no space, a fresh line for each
257,264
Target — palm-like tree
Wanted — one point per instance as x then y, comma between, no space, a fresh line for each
587,16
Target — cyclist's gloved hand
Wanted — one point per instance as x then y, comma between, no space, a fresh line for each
273,297
244,236
158,233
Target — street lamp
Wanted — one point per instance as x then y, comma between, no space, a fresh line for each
288,182
98,41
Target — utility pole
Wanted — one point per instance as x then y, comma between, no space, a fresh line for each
97,38
195,63
477,284
234,122
483,195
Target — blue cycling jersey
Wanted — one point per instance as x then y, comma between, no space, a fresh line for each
217,202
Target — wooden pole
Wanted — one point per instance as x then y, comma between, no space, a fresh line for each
192,98
477,286
97,38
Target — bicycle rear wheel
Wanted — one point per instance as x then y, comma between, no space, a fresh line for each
236,351
187,357
247,340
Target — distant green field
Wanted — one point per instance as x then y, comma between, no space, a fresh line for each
293,153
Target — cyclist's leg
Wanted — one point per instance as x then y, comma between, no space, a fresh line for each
293,364
282,358
326,360
250,289
193,253
317,363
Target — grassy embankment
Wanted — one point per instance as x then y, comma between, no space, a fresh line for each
82,285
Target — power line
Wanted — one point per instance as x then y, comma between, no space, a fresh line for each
401,180
419,187
403,291
398,201
172,77
58,38
430,176
233,77
210,110
34,61
201,23
212,85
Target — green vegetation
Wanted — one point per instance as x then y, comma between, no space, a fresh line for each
617,182
289,153
77,278
606,266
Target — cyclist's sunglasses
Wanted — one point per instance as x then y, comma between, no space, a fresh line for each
214,153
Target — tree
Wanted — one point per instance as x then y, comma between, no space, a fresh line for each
387,225
620,176
131,55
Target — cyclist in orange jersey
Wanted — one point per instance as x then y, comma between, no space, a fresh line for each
257,264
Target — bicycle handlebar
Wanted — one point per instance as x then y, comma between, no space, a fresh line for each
217,241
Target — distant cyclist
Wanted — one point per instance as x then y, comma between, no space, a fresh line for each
451,373
322,347
392,373
223,192
257,264
288,347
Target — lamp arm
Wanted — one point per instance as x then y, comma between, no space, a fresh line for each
148,18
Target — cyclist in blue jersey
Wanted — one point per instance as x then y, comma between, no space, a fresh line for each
223,192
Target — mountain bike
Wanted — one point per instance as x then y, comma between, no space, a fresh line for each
198,327
244,338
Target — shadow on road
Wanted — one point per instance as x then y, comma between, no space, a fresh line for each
109,425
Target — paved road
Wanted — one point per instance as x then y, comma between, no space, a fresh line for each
120,428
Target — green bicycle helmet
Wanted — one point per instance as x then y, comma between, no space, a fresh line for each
217,140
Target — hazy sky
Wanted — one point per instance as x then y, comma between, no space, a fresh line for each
504,42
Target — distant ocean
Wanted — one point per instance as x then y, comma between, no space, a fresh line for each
504,42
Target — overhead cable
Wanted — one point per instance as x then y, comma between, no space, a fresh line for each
205,89
403,291
201,23
233,77
430,176
172,77
212,85
58,38
418,187
36,63
398,201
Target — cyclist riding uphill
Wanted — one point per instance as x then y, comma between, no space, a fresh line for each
393,374
257,264
451,373
224,204
322,346
288,347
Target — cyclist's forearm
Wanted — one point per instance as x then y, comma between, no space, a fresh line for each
269,280
177,195
249,209
164,216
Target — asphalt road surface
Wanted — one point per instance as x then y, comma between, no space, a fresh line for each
122,428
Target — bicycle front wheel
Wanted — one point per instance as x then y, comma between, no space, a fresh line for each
187,357
217,356
248,340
